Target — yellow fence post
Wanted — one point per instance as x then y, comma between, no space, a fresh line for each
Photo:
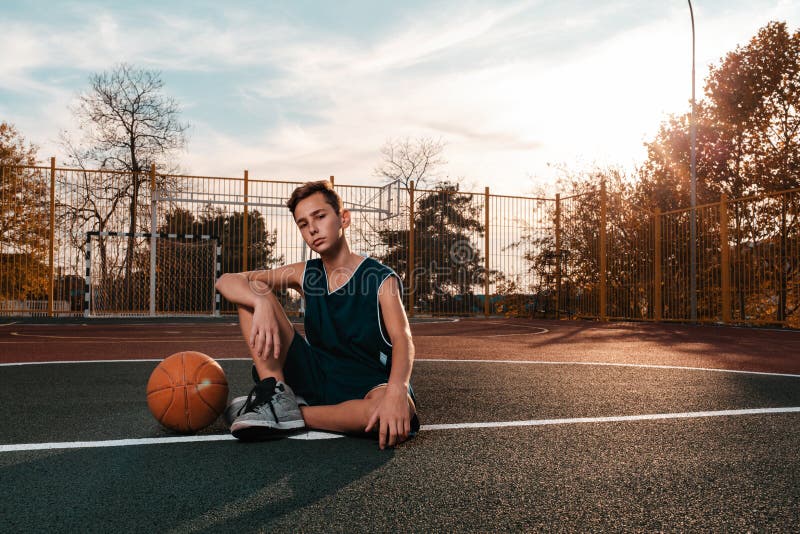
332,181
558,255
486,254
603,258
657,265
245,224
4,284
411,240
52,276
153,239
725,259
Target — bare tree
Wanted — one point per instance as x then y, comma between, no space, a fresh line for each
405,159
127,124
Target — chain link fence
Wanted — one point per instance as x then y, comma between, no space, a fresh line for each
458,253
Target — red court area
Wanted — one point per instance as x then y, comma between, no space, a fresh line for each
746,349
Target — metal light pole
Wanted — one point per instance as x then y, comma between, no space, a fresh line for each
693,239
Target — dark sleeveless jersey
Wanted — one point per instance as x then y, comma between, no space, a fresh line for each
346,323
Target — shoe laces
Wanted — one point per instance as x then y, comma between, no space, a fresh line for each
261,395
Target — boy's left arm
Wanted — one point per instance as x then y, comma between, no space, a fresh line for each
392,414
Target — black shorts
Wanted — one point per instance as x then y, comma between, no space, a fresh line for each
323,379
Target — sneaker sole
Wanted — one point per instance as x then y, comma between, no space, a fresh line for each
259,432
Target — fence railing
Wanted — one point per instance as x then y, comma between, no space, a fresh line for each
464,253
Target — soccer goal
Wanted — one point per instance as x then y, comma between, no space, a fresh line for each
146,274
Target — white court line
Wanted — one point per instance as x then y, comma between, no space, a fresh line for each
609,364
308,435
520,325
447,360
16,364
49,336
120,340
541,331
615,419
70,325
111,443
9,324
311,435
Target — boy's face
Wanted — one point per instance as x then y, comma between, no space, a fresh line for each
319,225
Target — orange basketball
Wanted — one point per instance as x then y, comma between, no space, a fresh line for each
187,391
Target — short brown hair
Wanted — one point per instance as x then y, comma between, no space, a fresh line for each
309,188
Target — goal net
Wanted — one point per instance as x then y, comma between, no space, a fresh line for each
142,274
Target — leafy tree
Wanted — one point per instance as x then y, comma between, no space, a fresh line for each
127,124
748,128
575,262
229,228
447,264
755,96
14,151
664,178
748,144
24,218
776,57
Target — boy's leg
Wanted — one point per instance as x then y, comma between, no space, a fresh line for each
270,409
270,366
350,416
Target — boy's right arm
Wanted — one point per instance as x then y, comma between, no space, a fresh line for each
246,287
251,289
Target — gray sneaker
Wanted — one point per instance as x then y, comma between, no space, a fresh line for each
235,408
270,411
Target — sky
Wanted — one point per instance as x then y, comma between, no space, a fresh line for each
301,90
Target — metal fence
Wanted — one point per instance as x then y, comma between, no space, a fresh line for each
594,255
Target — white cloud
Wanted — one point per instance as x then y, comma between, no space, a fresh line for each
501,122
438,34
508,89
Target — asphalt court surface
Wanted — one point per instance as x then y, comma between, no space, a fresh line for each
553,471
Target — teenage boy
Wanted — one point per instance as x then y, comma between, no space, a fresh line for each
352,371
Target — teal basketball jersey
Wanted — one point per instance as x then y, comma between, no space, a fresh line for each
346,323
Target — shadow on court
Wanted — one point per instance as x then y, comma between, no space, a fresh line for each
181,487
716,475
723,472
642,343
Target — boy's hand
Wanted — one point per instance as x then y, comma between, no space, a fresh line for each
393,417
265,338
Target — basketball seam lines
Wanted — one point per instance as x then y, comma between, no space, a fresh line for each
172,397
160,389
171,402
197,389
192,384
204,401
185,392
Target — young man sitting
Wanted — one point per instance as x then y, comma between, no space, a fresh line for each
352,371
